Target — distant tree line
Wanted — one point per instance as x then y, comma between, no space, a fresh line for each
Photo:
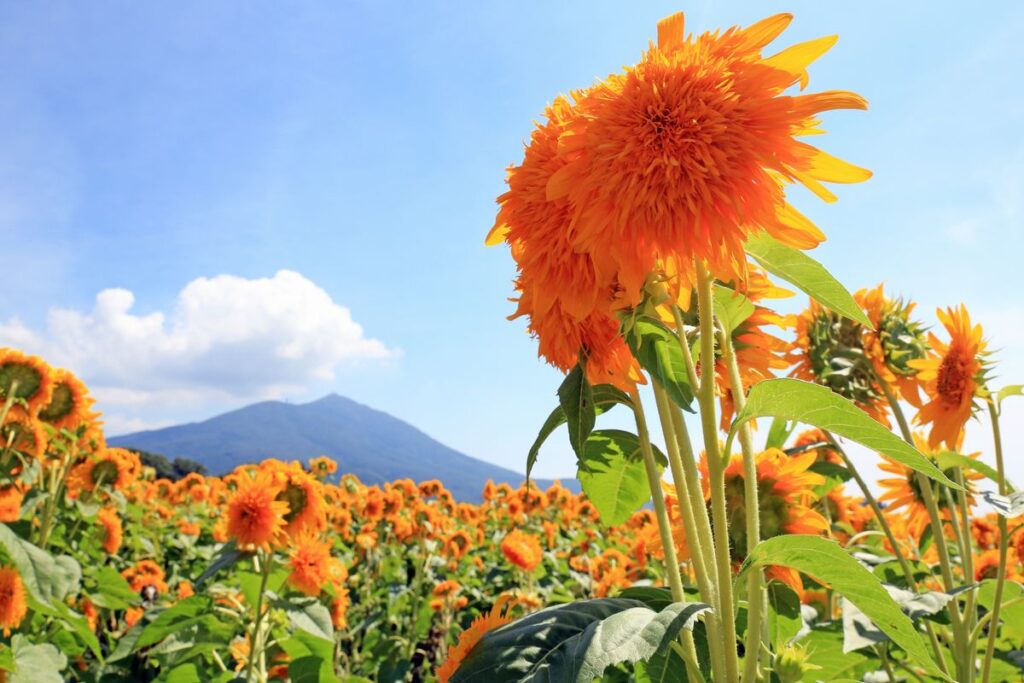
169,469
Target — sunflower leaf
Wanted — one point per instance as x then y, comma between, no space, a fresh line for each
659,352
731,307
819,406
948,460
804,273
825,561
576,642
576,398
613,475
606,397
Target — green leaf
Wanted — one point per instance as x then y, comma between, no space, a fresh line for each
576,398
1008,391
309,615
575,642
112,591
835,475
948,460
731,307
605,398
825,561
778,433
47,579
189,611
784,617
227,556
613,475
806,274
825,646
36,663
658,351
812,404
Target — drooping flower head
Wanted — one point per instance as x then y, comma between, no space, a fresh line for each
69,404
26,378
951,376
113,468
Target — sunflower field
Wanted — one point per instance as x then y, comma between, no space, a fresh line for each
731,536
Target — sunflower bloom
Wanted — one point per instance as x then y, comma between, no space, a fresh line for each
468,639
13,600
255,518
522,549
311,565
951,376
25,378
111,531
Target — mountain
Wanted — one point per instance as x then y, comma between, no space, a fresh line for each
369,443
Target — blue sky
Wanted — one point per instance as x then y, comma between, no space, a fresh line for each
360,146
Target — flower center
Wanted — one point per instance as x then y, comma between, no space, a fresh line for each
953,377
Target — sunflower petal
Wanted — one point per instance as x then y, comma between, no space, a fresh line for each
760,33
796,58
670,31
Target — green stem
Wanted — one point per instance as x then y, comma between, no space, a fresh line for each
1004,542
964,660
908,571
255,644
685,494
716,470
755,597
675,581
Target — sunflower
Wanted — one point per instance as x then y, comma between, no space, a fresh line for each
255,517
785,488
339,609
903,491
113,467
111,531
894,340
146,573
951,376
69,404
469,638
11,498
13,600
522,549
323,466
311,565
25,378
986,566
687,153
303,494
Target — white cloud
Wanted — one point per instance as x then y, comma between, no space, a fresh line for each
225,338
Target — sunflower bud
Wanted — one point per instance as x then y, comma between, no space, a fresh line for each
791,663
903,339
838,359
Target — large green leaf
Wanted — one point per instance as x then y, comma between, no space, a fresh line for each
575,642
307,614
825,561
949,459
784,617
825,646
606,397
812,404
613,475
47,578
189,611
806,274
576,398
658,351
36,663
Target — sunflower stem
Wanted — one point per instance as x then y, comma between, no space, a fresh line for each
908,571
755,598
685,494
964,660
716,470
255,644
675,581
1004,543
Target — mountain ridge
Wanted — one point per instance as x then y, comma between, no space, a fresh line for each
370,443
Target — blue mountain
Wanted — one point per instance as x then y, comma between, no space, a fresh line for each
369,443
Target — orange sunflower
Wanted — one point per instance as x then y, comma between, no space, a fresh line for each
951,377
13,600
522,549
255,516
687,153
113,467
311,565
69,404
469,638
112,532
785,488
29,376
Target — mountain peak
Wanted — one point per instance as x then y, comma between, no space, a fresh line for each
369,443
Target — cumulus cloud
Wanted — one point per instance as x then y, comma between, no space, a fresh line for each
225,337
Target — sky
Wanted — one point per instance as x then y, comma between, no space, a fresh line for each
207,204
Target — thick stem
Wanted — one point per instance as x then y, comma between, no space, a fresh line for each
675,581
716,469
698,555
255,641
755,598
1004,543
